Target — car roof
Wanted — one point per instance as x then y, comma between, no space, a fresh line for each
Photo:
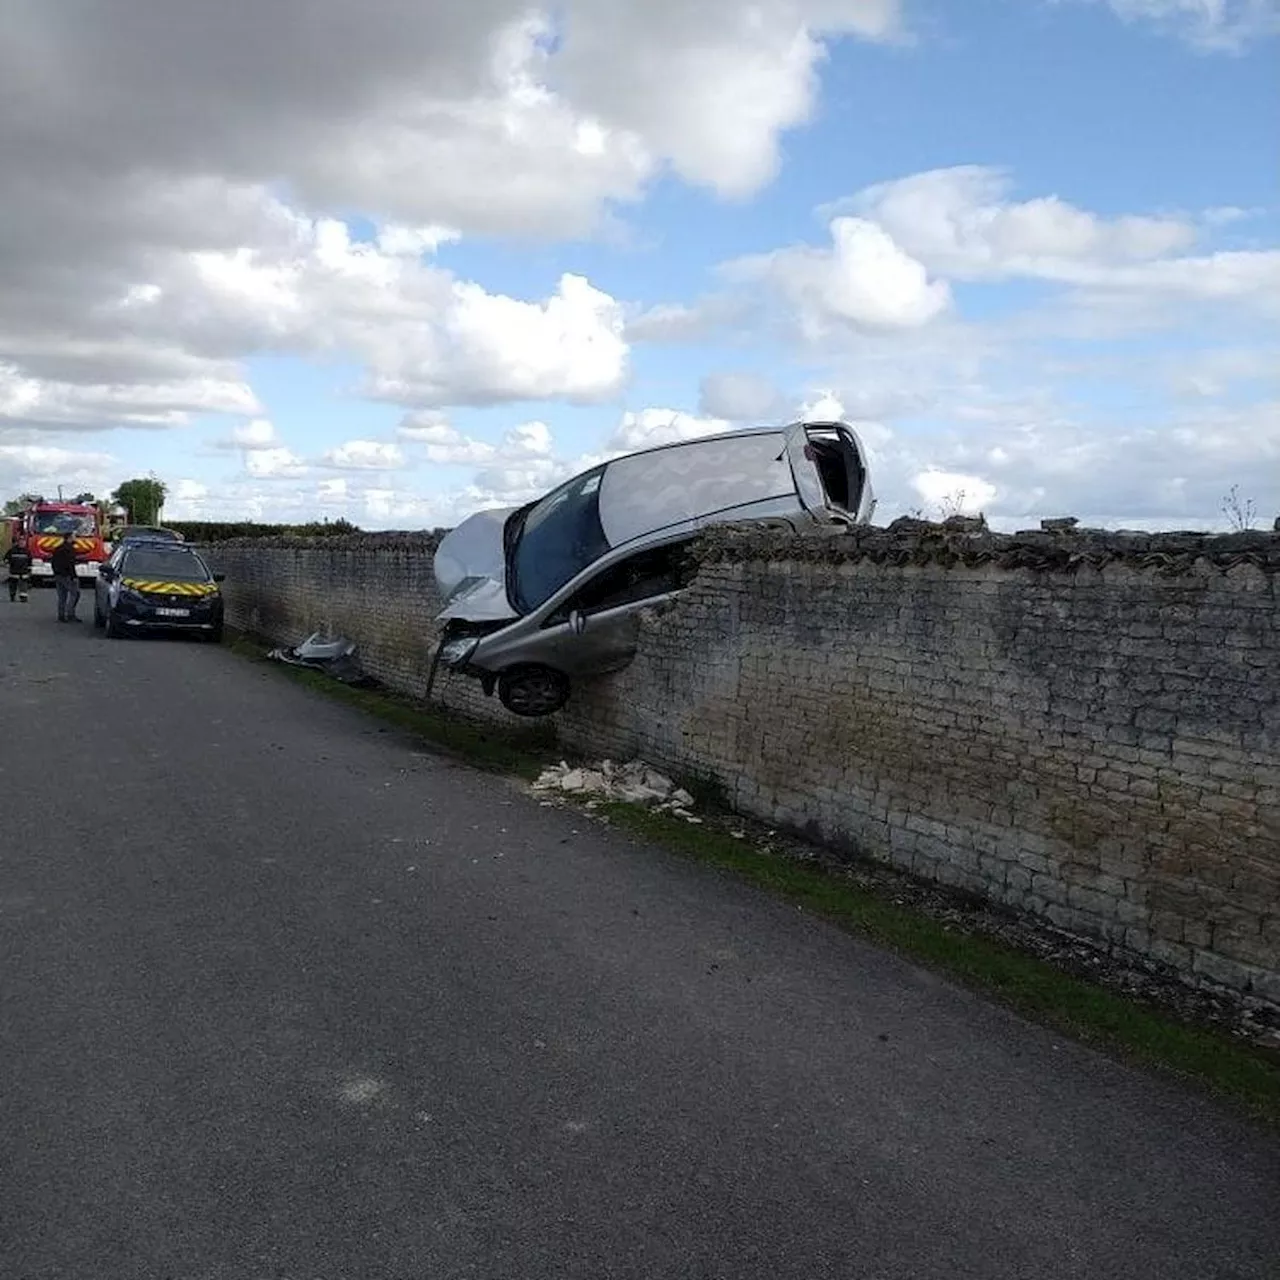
692,479
159,544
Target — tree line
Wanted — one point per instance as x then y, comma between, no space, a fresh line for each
143,498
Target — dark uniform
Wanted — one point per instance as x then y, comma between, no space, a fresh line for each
18,558
63,563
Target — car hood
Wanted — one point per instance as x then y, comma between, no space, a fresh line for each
470,569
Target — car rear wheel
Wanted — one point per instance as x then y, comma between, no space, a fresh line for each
533,691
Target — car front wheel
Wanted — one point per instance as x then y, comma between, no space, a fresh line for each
114,630
533,691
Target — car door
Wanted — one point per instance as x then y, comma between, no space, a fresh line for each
830,470
594,629
102,583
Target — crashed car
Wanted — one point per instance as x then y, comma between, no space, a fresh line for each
542,595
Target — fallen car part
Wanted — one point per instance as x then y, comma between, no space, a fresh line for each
335,657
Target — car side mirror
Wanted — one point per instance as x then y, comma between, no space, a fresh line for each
104,573
578,622
219,577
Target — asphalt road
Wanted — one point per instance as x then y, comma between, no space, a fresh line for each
281,997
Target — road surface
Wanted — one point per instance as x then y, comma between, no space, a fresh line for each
282,997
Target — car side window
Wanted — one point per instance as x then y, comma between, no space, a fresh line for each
649,573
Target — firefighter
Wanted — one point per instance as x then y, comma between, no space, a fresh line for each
18,558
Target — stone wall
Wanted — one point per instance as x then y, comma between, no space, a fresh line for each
1085,727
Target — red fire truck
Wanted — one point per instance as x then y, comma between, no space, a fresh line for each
42,526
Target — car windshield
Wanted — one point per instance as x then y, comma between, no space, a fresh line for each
558,538
66,522
159,565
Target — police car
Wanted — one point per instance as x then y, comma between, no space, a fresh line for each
158,586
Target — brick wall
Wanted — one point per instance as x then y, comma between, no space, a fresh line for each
1086,727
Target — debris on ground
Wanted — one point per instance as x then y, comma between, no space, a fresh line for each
633,783
335,656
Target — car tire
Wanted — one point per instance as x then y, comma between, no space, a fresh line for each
533,690
114,630
98,620
215,636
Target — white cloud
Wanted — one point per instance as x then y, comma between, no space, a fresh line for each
413,242
488,348
260,433
60,405
1227,214
365,455
953,493
739,397
41,468
865,279
1015,459
1214,374
960,223
442,443
424,336
277,463
649,428
1214,26
825,406
1171,475
133,301
528,440
447,446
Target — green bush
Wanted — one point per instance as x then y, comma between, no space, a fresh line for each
225,530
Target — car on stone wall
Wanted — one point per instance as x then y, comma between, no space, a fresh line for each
540,596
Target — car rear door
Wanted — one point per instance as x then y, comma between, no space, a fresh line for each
830,470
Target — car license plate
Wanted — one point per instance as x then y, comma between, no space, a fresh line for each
173,613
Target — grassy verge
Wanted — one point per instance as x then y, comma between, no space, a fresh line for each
1084,1010
519,752
1124,1027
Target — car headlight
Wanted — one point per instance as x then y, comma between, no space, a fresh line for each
459,650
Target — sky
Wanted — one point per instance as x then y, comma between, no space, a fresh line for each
400,260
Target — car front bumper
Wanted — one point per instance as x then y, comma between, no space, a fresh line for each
191,615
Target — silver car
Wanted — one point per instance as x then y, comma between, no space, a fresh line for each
542,595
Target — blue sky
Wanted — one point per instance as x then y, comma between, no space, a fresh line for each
1030,247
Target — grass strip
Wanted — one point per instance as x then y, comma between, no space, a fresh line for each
1126,1028
1084,1010
519,752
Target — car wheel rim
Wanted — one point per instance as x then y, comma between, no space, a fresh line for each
535,694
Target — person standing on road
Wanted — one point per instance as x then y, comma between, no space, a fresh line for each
18,558
63,563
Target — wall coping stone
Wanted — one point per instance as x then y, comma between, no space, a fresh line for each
959,542
908,542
